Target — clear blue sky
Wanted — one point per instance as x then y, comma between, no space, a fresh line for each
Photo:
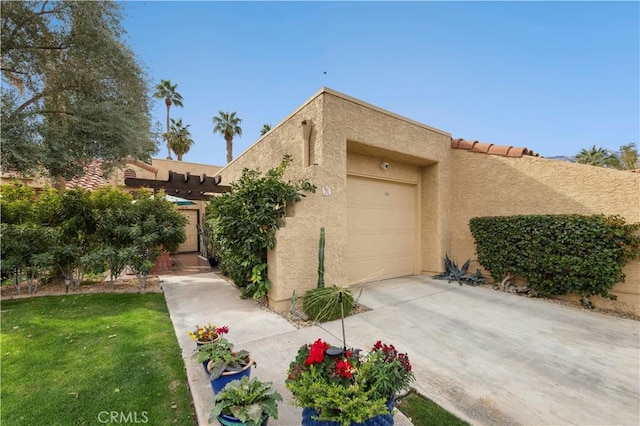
552,76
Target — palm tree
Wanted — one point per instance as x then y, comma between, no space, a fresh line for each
228,125
599,157
167,91
629,156
181,141
265,129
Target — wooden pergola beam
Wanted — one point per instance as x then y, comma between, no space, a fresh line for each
185,185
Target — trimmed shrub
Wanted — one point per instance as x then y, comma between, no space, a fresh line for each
558,254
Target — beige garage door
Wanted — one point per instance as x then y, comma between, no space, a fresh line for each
381,229
191,243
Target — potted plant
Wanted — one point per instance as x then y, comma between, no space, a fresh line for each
224,364
245,402
343,387
207,334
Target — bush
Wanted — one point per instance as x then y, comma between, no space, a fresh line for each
558,254
244,224
323,303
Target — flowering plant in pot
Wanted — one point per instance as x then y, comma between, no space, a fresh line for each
207,333
224,364
340,386
245,401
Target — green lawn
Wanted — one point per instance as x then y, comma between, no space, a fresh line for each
424,412
84,359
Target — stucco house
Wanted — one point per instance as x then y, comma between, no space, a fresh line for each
395,195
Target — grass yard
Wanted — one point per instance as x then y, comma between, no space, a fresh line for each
92,359
424,412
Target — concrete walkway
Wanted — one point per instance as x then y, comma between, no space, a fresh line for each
491,358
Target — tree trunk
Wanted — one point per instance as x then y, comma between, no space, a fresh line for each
168,134
179,157
229,148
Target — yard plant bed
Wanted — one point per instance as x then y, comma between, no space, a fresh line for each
92,359
88,286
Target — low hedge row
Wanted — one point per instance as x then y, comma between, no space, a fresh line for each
558,254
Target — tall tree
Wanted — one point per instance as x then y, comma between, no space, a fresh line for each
72,90
228,125
600,157
167,91
265,128
629,156
181,141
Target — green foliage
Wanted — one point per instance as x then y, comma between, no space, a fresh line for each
79,232
248,400
72,90
17,203
27,249
344,386
222,356
167,92
453,273
558,254
244,223
424,412
321,245
327,303
335,402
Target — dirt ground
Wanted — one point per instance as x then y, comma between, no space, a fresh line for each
125,285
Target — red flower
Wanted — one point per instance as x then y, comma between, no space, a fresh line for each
343,368
316,352
222,330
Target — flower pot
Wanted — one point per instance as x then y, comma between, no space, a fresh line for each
225,420
213,261
228,376
381,420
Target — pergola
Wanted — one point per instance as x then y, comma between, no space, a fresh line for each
185,185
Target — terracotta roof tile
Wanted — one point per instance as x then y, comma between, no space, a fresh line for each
92,179
489,148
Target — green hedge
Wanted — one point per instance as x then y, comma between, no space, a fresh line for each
558,254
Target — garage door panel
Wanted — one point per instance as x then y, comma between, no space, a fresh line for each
381,229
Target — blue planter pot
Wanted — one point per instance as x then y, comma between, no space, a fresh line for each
381,420
225,420
219,383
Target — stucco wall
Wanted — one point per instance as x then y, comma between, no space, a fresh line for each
488,185
338,121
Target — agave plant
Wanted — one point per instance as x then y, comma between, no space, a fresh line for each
460,274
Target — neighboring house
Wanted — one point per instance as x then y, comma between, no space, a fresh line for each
158,170
395,195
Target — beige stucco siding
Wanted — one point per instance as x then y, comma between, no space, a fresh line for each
340,124
488,185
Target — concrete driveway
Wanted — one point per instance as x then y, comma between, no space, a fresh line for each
489,357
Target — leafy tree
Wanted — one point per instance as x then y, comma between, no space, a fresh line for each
17,203
245,220
228,125
629,156
112,214
155,225
72,90
77,234
181,141
167,91
600,157
265,129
